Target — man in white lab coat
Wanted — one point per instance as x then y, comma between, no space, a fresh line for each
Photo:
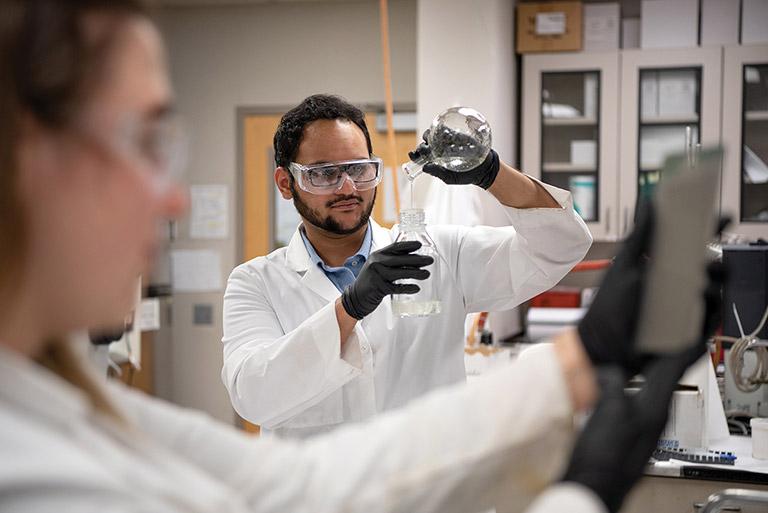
310,340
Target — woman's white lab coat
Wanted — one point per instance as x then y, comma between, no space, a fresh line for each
283,366
498,441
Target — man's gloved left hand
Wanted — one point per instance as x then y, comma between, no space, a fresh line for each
482,175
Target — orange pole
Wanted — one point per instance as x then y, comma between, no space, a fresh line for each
391,148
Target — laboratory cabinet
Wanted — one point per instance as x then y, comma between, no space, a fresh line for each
745,135
666,93
602,123
570,122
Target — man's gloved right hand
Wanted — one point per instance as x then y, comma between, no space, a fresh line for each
378,276
483,175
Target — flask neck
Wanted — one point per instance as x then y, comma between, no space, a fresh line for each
414,168
412,219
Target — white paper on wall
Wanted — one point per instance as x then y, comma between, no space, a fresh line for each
149,314
550,23
195,270
208,211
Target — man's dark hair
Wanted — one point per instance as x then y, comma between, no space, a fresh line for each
318,106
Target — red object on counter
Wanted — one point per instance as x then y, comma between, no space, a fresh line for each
559,297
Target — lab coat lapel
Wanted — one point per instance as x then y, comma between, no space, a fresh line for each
313,277
381,236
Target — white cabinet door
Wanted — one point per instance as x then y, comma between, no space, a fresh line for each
570,131
663,93
745,138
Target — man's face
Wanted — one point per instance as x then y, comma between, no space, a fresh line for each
346,210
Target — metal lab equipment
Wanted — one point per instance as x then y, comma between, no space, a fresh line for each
745,301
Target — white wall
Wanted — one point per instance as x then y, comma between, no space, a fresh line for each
466,57
263,55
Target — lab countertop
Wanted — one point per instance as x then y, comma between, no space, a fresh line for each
746,469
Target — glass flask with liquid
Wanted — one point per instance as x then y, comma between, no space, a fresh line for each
459,139
427,301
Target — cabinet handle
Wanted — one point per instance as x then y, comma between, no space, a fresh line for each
625,222
698,505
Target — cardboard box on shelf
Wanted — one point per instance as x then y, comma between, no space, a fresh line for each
669,24
649,95
677,93
584,152
720,22
754,20
591,96
657,142
601,26
549,27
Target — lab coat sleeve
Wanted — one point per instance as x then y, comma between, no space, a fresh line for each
567,498
497,268
270,375
499,440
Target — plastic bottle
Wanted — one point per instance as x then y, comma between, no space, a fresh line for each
459,139
427,301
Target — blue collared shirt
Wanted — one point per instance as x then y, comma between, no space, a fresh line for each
344,276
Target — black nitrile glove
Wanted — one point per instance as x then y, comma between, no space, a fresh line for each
378,276
608,329
623,431
482,175
619,438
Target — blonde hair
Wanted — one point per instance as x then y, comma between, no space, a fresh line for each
61,358
47,63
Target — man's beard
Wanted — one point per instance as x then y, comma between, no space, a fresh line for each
329,224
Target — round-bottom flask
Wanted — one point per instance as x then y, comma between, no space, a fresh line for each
427,301
459,139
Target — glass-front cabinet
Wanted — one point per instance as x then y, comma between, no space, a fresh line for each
745,136
670,101
569,130
670,107
602,124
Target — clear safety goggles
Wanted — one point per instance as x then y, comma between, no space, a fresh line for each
157,145
328,178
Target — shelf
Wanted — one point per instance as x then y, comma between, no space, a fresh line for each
670,120
756,115
566,167
570,121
